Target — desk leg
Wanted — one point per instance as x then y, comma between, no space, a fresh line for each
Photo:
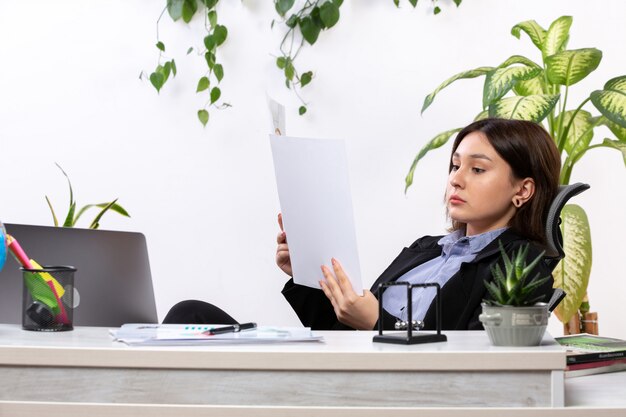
558,388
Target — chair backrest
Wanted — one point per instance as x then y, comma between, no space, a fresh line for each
554,238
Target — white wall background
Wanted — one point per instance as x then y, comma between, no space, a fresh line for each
206,198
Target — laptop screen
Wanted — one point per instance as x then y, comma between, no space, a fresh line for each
113,273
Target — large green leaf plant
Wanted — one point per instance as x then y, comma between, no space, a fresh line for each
521,88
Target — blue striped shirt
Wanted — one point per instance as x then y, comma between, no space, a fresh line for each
456,249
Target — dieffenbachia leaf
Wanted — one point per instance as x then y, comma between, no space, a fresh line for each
569,67
572,273
611,101
580,132
476,72
434,143
534,108
535,32
615,144
531,87
557,36
618,131
500,81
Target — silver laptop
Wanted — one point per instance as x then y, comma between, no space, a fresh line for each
113,273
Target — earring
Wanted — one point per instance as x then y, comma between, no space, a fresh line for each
517,203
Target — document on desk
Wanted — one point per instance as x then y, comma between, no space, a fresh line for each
143,334
316,205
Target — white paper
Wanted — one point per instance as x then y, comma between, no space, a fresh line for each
277,113
316,204
141,334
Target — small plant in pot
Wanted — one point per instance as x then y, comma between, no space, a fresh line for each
515,316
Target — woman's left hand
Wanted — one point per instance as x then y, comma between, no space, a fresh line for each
358,312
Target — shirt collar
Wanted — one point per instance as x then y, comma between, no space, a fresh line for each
476,243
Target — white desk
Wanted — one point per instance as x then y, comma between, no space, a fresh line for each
83,372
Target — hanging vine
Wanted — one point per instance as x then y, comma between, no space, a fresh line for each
303,25
216,35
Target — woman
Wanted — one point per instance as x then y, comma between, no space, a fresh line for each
503,175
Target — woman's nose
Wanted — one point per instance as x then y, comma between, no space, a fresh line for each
456,178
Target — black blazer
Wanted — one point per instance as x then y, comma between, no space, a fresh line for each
461,296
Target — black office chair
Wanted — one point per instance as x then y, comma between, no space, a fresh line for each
554,238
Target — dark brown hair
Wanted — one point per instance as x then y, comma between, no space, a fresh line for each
531,153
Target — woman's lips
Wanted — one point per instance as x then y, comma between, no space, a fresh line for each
455,199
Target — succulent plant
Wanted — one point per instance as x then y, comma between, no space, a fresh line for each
512,287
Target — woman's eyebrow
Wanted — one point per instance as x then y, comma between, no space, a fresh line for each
473,156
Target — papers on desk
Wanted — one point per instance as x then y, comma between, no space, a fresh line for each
138,334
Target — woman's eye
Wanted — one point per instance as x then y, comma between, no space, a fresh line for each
454,168
478,170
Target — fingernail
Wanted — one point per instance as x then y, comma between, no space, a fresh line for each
334,261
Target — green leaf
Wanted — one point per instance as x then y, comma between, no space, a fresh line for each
572,273
437,10
580,132
413,3
210,42
500,81
457,2
156,79
283,6
292,22
614,144
160,46
173,66
203,84
329,13
54,216
519,59
189,9
190,50
530,87
209,57
301,110
209,4
212,16
476,72
289,71
535,32
203,116
219,72
557,36
534,108
220,33
434,143
306,78
175,8
397,3
310,31
612,100
215,94
115,207
69,219
338,3
95,222
569,67
281,62
617,130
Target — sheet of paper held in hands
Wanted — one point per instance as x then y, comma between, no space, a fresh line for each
138,334
316,204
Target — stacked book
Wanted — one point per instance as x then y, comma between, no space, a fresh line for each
589,354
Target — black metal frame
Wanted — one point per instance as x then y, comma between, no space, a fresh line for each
409,338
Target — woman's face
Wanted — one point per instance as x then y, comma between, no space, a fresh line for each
481,186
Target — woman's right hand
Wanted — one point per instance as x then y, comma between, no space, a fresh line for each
283,260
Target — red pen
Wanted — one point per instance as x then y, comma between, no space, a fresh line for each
22,259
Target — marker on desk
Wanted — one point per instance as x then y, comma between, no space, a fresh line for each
235,328
23,260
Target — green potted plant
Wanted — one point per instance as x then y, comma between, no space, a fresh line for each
521,88
73,214
514,315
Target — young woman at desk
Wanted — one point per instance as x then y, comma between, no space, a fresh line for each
502,177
